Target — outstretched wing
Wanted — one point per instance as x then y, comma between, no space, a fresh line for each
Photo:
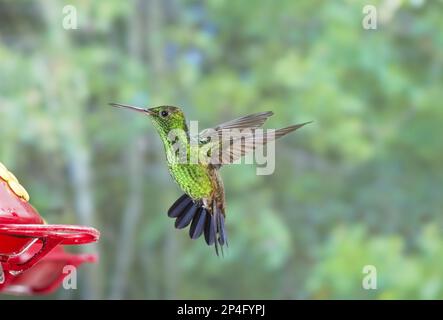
228,147
229,141
255,120
211,138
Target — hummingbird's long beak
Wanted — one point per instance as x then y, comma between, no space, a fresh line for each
118,105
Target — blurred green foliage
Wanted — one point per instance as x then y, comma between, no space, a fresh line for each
360,186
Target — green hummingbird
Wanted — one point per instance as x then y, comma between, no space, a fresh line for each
194,164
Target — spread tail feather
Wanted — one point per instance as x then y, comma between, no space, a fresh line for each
207,221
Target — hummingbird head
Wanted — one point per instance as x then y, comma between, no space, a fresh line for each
164,118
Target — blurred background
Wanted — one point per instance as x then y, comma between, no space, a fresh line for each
360,186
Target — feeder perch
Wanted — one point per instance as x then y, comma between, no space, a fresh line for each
46,276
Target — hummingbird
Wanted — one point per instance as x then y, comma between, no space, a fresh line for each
203,205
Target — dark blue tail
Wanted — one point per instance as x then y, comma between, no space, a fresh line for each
210,221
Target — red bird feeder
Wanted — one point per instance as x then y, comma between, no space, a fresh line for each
25,239
48,274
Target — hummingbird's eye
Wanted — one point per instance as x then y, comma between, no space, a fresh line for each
164,113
